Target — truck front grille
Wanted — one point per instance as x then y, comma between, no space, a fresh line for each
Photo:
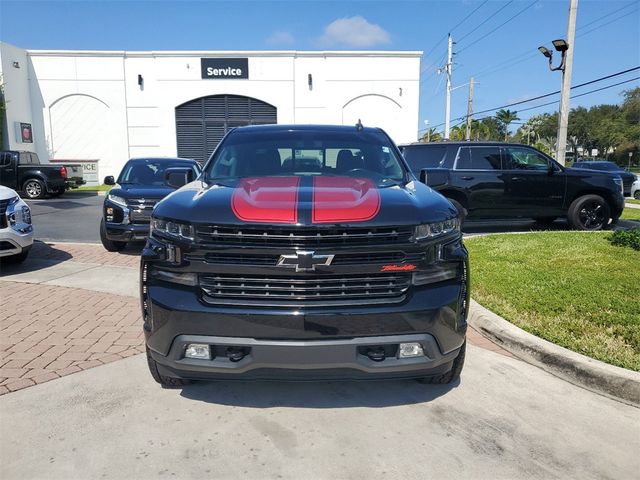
269,259
302,237
315,290
140,209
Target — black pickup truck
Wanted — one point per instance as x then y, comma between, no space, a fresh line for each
23,171
490,180
305,252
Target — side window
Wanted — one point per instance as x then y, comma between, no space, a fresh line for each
4,159
479,158
520,158
420,157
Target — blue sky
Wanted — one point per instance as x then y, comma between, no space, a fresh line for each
505,62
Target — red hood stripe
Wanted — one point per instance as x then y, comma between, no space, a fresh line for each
344,199
266,199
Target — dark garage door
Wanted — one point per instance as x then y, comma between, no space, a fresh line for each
201,123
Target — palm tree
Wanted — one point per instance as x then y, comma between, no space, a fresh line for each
431,135
505,117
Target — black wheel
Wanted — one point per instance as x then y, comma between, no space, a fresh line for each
110,245
452,374
636,194
34,188
589,212
166,382
462,212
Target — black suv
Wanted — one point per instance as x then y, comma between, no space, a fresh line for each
142,183
305,252
487,180
627,177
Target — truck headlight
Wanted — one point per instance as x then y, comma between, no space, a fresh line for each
172,228
618,181
13,201
436,229
117,200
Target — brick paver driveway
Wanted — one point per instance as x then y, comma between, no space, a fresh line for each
50,331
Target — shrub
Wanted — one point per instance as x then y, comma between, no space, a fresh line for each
626,238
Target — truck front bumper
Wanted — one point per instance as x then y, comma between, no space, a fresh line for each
126,232
328,343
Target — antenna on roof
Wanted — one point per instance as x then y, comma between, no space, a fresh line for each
359,125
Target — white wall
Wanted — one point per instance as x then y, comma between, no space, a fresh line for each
88,105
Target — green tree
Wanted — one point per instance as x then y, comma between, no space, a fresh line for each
431,135
505,118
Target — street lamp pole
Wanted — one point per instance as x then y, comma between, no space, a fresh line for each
563,114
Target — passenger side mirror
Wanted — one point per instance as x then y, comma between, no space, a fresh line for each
178,177
109,180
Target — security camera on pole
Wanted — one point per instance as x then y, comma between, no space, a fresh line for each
566,48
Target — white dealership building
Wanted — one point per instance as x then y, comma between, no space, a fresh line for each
103,107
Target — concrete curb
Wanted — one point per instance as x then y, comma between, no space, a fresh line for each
615,382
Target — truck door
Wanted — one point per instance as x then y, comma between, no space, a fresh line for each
9,170
534,185
478,173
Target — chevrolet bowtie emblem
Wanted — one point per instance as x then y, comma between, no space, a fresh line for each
304,261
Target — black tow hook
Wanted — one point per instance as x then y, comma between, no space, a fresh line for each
235,354
376,354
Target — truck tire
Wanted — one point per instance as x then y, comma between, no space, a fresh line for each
17,258
452,374
110,245
636,194
34,188
589,212
462,212
166,382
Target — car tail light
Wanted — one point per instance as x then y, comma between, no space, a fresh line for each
63,172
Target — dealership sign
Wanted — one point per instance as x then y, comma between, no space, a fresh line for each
224,68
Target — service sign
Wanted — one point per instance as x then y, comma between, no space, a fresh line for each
224,68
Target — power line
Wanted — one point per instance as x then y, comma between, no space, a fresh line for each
555,93
499,26
608,23
486,20
607,15
456,26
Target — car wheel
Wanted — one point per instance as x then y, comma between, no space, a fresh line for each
110,245
34,188
636,194
589,212
166,382
462,212
452,374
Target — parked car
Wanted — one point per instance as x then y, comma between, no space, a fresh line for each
24,171
16,231
271,265
627,177
492,180
635,189
127,206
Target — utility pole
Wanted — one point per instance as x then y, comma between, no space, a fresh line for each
563,115
447,107
469,110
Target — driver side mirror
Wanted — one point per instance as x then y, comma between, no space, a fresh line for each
109,180
178,177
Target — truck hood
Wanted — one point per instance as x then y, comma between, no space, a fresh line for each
7,193
141,191
305,201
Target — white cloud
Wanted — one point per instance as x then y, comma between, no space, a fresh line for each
280,38
354,32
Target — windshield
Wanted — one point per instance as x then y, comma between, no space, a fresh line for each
151,172
362,154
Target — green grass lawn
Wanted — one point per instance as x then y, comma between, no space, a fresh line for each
574,289
91,188
632,200
631,214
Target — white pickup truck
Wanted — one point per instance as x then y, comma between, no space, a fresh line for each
16,231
